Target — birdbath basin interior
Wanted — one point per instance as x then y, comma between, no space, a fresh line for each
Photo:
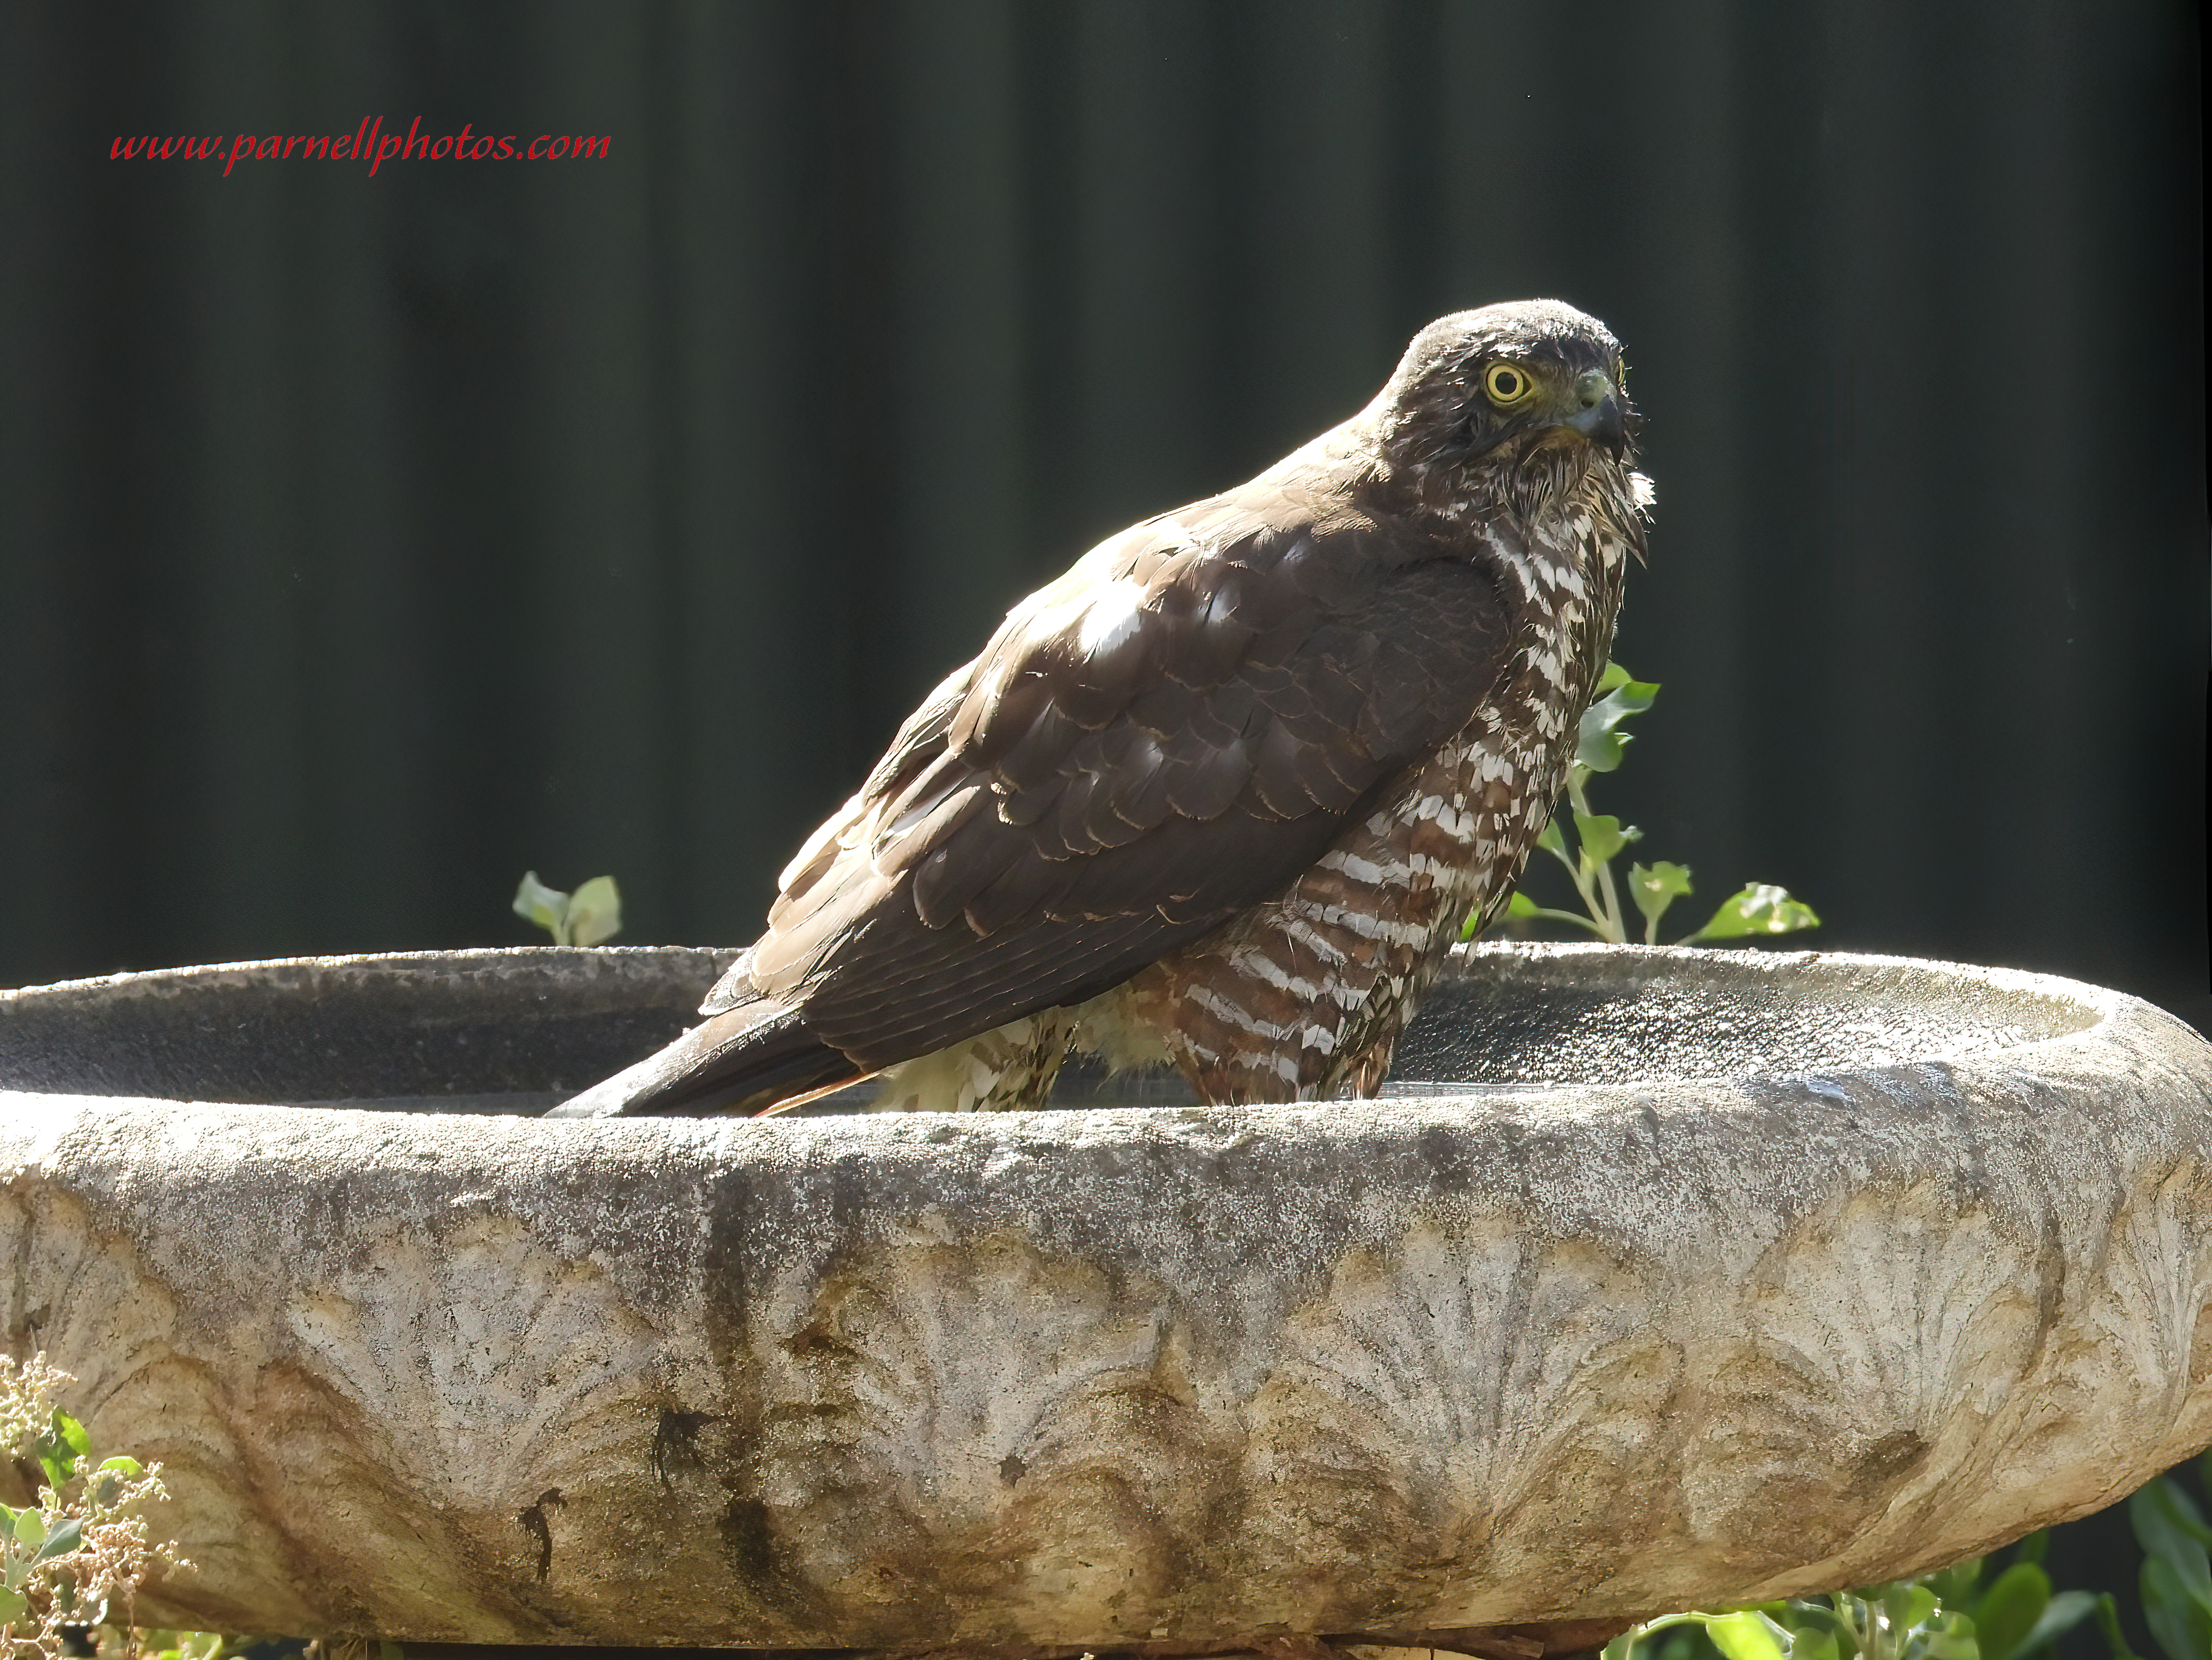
1659,1279
518,1031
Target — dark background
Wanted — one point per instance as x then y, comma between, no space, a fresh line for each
365,540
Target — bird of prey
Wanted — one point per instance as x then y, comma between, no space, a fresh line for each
1222,796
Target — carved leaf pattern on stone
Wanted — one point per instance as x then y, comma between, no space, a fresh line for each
1386,1431
2153,1323
83,1296
1894,1329
518,1377
981,1424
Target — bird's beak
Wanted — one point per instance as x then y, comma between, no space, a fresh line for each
1597,416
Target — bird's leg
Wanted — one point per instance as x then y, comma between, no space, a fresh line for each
1365,1075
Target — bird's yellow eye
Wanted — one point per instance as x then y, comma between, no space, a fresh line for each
1508,384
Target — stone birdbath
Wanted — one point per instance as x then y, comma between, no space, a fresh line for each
1673,1278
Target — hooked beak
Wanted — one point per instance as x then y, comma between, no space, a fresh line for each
1598,418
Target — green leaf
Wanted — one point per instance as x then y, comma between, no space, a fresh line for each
1602,835
1806,1616
1611,676
1951,1637
2180,1622
2174,1502
1600,743
2169,1530
2107,1610
30,1527
2009,1608
1908,1605
546,907
1551,840
59,1449
594,912
1761,908
1746,1635
1954,1586
62,1541
2068,1609
12,1604
1655,886
1814,1644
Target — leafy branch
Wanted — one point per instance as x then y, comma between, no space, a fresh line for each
588,916
1964,1612
1950,1615
1758,908
75,1556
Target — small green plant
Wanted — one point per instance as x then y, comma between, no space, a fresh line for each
1760,908
74,1557
588,916
1966,1612
175,1646
2177,1570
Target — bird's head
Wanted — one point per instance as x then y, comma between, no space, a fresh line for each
1533,390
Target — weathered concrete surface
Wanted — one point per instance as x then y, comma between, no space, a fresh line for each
1088,1377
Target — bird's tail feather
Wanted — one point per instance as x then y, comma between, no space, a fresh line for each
753,1058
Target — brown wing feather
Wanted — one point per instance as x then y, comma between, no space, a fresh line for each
1168,735
909,773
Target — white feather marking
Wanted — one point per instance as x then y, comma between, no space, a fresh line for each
1265,968
1359,869
1361,923
1302,931
1222,1009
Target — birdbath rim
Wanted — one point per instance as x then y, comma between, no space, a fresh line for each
1793,984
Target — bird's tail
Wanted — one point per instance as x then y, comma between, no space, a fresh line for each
748,1059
